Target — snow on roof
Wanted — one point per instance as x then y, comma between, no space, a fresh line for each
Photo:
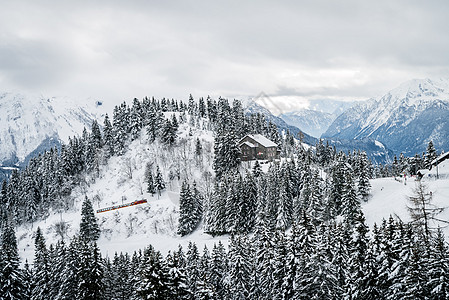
440,158
248,144
262,140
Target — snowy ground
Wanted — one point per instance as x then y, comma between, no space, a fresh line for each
390,196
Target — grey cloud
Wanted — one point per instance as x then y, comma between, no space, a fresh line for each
310,49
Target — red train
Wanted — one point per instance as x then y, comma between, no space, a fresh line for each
122,205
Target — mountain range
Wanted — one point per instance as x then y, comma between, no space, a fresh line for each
405,119
376,151
30,124
317,117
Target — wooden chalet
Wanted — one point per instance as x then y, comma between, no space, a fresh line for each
256,146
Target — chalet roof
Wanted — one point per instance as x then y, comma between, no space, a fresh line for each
440,158
263,141
248,144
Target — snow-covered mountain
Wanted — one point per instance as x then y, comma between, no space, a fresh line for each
313,122
318,116
30,123
404,119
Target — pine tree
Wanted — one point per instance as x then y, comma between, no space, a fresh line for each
431,154
188,211
90,271
364,185
438,284
415,276
154,282
218,270
177,274
168,133
192,268
11,277
358,255
70,275
159,181
135,119
205,289
149,179
350,202
239,268
89,229
27,280
41,268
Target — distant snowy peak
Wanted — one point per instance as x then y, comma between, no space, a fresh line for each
404,119
312,122
30,122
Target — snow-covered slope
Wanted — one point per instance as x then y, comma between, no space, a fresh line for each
404,119
122,180
390,196
29,123
313,122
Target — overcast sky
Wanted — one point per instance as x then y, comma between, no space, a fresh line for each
290,50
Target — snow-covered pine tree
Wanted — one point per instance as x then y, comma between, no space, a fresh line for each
159,182
239,267
192,268
11,277
120,128
364,185
27,280
154,276
350,202
41,269
438,283
218,270
205,289
89,229
168,132
430,155
108,137
177,274
135,119
90,271
149,179
187,211
356,286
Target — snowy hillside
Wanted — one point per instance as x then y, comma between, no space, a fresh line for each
29,123
405,119
122,181
389,196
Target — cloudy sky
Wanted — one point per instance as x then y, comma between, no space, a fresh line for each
290,50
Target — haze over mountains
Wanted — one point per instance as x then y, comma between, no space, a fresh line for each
317,117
